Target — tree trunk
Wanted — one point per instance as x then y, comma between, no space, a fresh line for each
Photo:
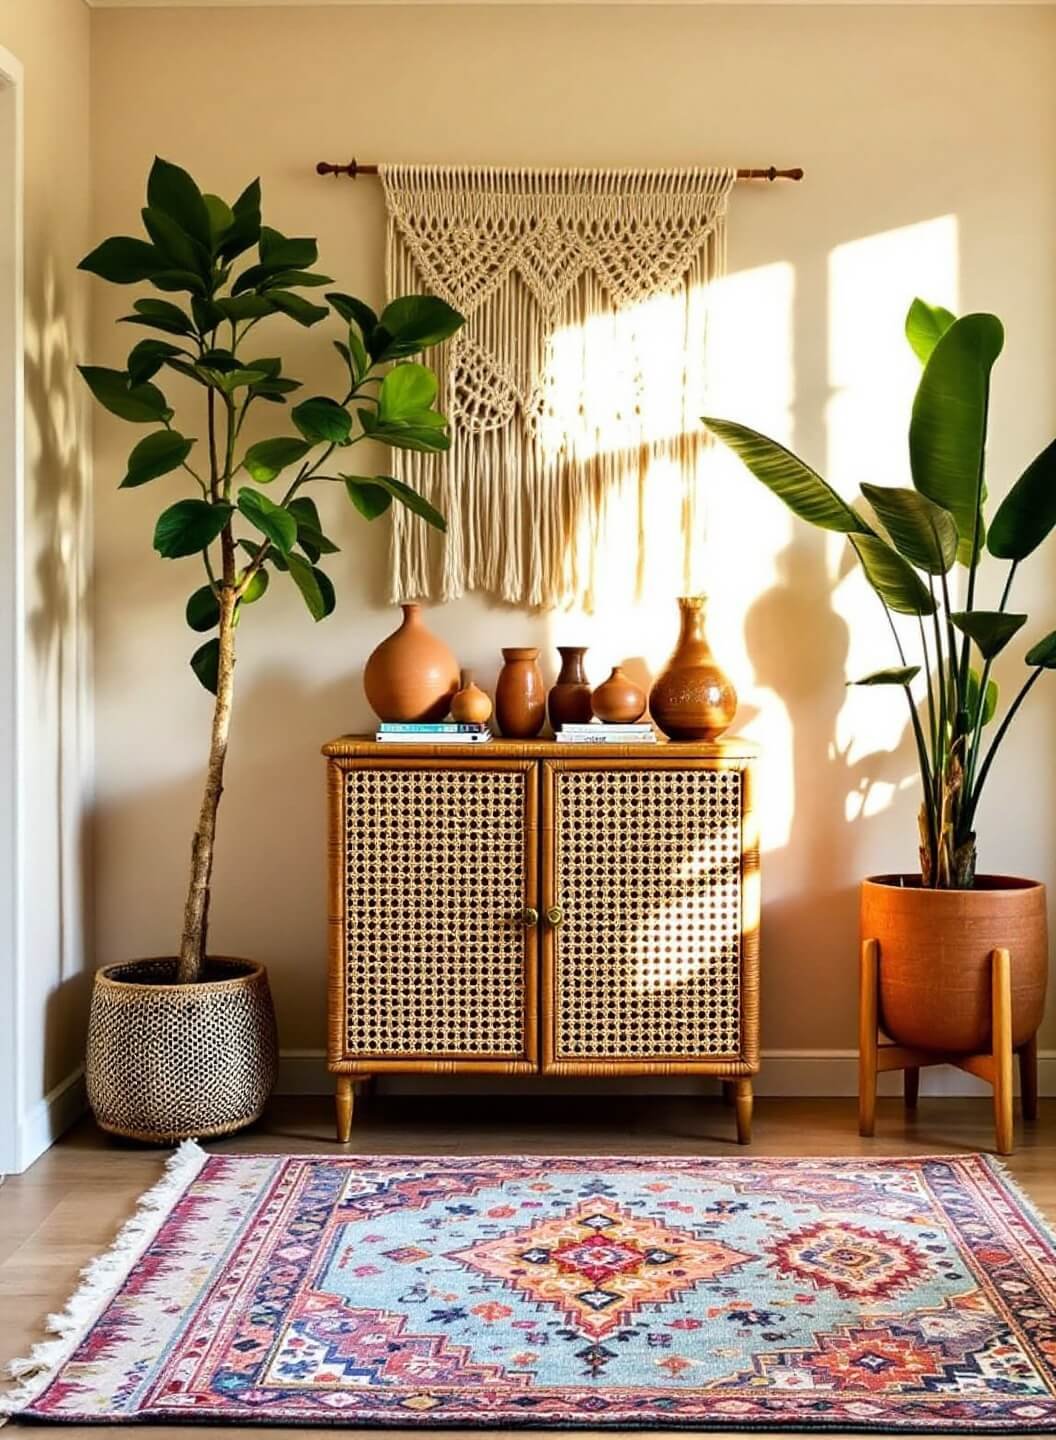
196,912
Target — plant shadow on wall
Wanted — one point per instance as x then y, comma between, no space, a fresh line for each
57,500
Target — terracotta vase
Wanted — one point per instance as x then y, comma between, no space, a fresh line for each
691,698
569,700
412,675
520,695
935,945
618,700
470,706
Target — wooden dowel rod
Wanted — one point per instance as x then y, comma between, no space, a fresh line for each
354,168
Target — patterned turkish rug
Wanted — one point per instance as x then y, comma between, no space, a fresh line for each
853,1294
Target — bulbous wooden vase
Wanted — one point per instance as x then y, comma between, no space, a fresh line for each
935,967
618,700
692,698
569,700
412,675
520,695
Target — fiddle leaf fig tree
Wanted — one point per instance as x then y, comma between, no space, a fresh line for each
911,549
246,518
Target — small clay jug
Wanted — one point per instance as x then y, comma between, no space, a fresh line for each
471,706
691,698
520,695
412,675
569,700
618,700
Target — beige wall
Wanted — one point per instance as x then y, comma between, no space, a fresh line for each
51,39
929,141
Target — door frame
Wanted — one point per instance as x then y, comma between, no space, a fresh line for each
12,604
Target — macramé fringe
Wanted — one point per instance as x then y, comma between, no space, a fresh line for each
101,1278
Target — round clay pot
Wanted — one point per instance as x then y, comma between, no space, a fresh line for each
520,695
935,946
691,698
412,675
569,700
618,700
470,706
171,1062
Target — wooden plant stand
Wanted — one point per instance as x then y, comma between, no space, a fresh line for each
995,1068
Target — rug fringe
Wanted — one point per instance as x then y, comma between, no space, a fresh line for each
101,1278
1029,1207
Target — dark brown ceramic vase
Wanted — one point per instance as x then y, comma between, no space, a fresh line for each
569,700
935,966
618,700
520,695
412,675
692,698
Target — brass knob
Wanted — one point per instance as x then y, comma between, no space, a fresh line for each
555,914
529,915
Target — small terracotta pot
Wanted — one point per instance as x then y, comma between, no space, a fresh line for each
569,700
618,700
520,695
412,675
691,698
470,706
935,965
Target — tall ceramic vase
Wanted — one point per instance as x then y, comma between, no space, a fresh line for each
520,695
569,701
412,675
692,698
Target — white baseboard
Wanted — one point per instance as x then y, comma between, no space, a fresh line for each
45,1121
783,1073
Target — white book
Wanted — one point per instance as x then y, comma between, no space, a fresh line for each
388,737
640,727
563,739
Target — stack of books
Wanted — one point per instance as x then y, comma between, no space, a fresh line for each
597,733
446,732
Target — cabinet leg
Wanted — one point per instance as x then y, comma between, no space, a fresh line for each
345,1098
867,1036
1002,1047
1028,1078
743,1099
911,1086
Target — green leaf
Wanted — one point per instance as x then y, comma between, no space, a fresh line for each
173,192
322,419
925,326
271,520
282,252
369,498
919,529
203,609
314,586
256,587
1028,512
802,489
894,675
189,526
355,312
244,307
413,323
156,455
207,315
147,358
990,629
406,391
221,218
161,315
175,246
245,231
268,458
139,404
310,535
362,491
123,260
228,381
297,307
1043,654
179,280
205,662
423,433
971,699
894,579
947,432
285,279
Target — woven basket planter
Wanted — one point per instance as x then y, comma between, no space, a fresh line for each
170,1062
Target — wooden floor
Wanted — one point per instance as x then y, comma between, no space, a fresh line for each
68,1206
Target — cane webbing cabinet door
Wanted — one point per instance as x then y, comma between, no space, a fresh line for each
650,959
433,869
512,908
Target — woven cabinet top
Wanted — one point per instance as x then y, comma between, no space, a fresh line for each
731,749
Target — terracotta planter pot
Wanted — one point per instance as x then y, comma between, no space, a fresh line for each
935,948
412,675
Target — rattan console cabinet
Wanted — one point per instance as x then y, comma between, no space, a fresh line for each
525,907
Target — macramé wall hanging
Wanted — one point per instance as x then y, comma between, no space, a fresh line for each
575,388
